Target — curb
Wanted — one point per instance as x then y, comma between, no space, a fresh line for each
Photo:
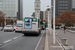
71,31
46,47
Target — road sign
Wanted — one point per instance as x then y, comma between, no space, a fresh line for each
62,24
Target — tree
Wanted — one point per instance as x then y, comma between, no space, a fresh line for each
57,20
67,17
2,19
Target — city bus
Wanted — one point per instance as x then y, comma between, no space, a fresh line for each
31,25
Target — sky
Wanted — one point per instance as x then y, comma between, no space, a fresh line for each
28,6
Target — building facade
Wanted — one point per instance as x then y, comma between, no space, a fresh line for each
41,15
63,5
45,15
20,10
37,8
9,7
73,5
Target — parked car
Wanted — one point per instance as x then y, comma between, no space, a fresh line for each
8,28
1,28
19,28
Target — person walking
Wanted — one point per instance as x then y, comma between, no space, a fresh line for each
64,29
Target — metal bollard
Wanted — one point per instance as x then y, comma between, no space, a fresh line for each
64,41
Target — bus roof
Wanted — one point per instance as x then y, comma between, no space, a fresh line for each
31,17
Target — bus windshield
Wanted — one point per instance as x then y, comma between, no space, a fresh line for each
28,22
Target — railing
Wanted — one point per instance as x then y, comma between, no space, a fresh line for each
71,28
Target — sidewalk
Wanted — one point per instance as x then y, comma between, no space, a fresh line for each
47,42
70,36
52,46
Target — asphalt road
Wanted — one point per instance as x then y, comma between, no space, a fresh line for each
68,35
16,41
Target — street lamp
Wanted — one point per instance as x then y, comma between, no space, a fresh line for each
49,20
53,21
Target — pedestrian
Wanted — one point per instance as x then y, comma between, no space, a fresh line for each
64,29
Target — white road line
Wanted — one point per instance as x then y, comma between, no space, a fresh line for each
68,47
60,44
15,38
55,47
10,40
21,35
39,41
4,45
7,41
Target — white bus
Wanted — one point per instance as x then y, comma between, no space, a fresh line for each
31,25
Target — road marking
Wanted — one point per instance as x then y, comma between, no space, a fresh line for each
21,35
55,47
4,45
68,47
15,38
7,41
39,41
60,44
10,40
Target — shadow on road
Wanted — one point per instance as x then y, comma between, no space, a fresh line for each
31,35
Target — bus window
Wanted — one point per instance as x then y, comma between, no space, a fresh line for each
28,23
34,20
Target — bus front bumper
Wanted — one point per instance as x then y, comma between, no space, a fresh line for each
30,32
